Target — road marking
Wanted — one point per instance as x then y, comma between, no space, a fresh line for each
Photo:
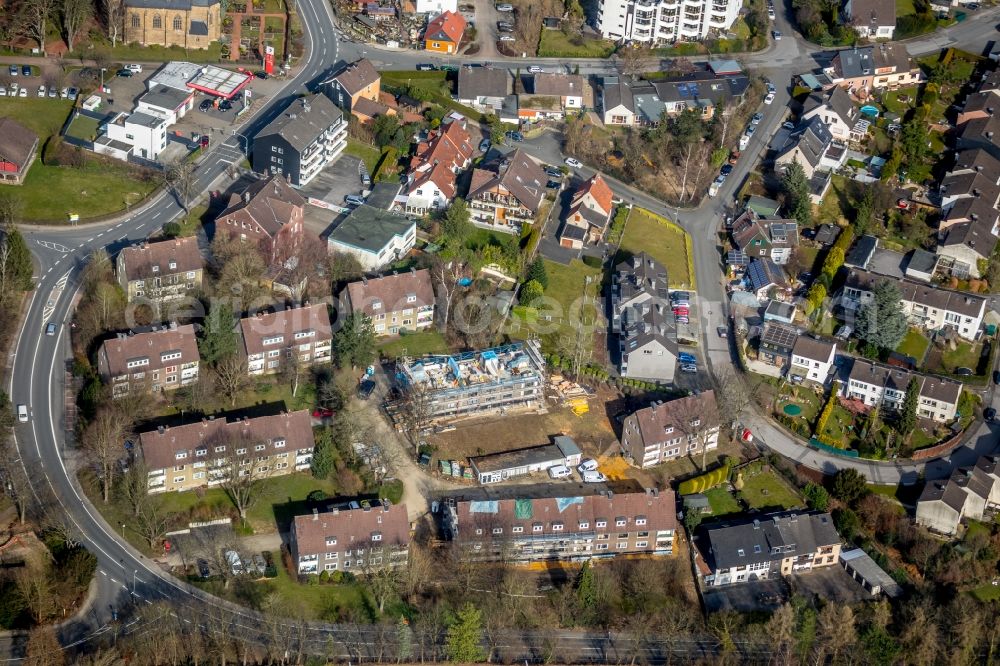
113,580
58,247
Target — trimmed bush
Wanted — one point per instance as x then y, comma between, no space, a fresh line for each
700,484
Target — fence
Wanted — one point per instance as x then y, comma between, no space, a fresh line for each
938,449
847,453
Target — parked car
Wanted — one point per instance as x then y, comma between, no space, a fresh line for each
684,357
124,73
205,105
788,125
996,377
593,477
71,94
680,311
964,372
535,69
50,329
23,92
203,569
680,295
726,169
504,27
751,129
769,98
559,472
365,389
258,565
22,413
235,563
553,172
25,70
505,7
426,67
13,70
776,34
515,136
507,38
484,145
225,105
771,87
262,75
721,331
573,162
53,93
41,91
682,319
689,369
989,414
553,185
587,465
3,92
757,117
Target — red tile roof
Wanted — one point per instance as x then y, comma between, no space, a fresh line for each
599,190
268,202
440,175
151,346
285,323
392,291
138,261
351,526
448,26
451,145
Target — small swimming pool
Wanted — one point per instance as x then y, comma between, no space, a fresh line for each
465,282
792,410
869,110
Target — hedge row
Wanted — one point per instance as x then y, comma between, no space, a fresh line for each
824,416
700,484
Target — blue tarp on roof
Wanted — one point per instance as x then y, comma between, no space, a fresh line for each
563,502
484,506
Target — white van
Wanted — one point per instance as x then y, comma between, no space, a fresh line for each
22,413
559,472
135,69
505,7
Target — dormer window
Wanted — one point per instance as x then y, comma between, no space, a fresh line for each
411,298
156,269
376,304
331,541
173,265
668,430
695,422
376,536
278,443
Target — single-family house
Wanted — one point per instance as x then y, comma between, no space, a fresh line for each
872,19
376,237
867,68
353,82
483,88
763,238
506,192
444,32
812,359
550,95
835,108
776,343
589,213
616,105
671,429
767,280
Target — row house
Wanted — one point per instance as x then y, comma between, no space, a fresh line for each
886,386
507,192
767,547
642,320
208,453
668,430
758,237
402,302
357,538
967,494
271,341
927,306
566,522
308,135
160,272
589,214
160,358
550,95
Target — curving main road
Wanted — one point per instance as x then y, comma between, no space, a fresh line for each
38,370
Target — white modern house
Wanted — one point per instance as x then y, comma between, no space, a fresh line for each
142,134
812,359
883,385
652,21
376,237
435,7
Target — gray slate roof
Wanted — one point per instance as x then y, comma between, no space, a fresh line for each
770,538
475,82
369,228
183,5
164,97
300,127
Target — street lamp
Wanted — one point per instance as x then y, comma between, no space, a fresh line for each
103,69
123,533
246,142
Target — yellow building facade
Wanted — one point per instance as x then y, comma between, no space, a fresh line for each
192,24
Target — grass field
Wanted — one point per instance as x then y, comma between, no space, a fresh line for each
414,344
368,154
44,117
965,355
905,8
134,51
193,221
722,501
569,290
914,344
555,44
84,128
767,489
661,239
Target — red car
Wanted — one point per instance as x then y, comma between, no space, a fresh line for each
322,413
681,312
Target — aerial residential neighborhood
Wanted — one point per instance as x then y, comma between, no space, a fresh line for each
522,332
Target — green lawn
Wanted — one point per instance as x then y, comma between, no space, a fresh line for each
914,344
905,8
807,400
369,154
965,355
555,44
768,489
722,501
84,128
100,187
892,103
840,427
661,239
567,289
986,592
44,117
134,51
414,344
193,220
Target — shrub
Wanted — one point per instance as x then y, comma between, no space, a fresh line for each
704,482
824,416
593,262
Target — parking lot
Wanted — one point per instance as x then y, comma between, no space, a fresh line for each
331,185
759,595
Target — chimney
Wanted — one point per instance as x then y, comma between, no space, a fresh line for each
756,524
315,514
159,429
246,196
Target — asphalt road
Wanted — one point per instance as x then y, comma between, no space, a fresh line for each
128,580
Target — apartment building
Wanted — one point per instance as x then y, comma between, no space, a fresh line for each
476,383
160,272
767,547
967,493
642,319
568,522
270,341
310,134
877,384
507,192
668,430
927,306
200,455
812,359
268,213
662,21
757,237
395,303
158,358
355,537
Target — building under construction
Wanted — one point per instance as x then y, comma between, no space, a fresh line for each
456,386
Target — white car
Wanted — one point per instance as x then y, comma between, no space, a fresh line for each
573,162
594,477
22,413
235,563
23,92
3,92
41,91
135,69
769,98
587,465
535,69
64,93
559,472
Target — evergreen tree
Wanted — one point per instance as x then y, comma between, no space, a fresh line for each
218,334
404,640
537,272
462,642
817,497
882,322
586,590
849,485
908,413
530,292
865,212
18,259
456,226
324,454
795,185
354,343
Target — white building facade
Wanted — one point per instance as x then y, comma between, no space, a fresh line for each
649,21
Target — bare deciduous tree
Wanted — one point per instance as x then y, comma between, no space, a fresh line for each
113,12
231,377
178,177
74,14
104,442
697,418
241,471
415,413
35,588
36,15
151,521
445,275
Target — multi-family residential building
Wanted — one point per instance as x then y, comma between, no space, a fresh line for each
354,82
159,358
270,341
310,134
812,359
968,493
550,95
767,547
927,306
18,146
269,213
395,303
668,430
476,383
505,465
838,113
762,238
191,24
877,67
660,21
507,192
444,32
885,385
435,7
589,213
355,537
574,522
970,207
813,147
872,19
643,320
160,272
376,237
204,454
627,102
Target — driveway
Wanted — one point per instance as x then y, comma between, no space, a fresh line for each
486,28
